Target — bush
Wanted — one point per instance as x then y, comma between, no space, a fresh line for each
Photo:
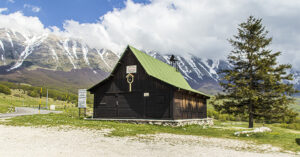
295,126
224,117
4,89
33,94
17,95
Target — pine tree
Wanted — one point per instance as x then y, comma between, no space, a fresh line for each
255,85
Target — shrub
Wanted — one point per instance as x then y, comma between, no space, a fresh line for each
225,117
17,95
33,94
295,126
4,89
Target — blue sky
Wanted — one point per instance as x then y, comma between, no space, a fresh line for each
55,12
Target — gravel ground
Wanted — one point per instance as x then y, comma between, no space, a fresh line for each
28,142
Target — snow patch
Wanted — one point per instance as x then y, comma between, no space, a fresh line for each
2,46
184,69
10,40
54,54
101,52
191,62
31,44
85,51
74,47
3,59
12,31
69,55
153,54
211,69
167,59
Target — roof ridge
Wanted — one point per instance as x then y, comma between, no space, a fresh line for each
151,57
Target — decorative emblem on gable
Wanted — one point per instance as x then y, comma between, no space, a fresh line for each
130,79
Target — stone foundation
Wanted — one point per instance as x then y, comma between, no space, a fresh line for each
181,122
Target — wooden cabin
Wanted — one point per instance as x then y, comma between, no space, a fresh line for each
141,86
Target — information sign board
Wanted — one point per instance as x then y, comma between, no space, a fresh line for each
82,98
130,69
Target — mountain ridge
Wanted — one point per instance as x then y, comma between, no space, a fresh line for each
23,56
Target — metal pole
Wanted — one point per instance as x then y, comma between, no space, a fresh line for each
40,99
47,100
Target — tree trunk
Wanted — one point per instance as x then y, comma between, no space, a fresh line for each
250,115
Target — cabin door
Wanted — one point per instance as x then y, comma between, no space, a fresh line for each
157,106
108,107
129,105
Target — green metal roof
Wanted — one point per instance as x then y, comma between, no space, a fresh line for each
162,71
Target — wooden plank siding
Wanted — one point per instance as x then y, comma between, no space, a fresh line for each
188,106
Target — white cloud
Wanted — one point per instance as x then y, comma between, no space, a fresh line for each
32,8
3,10
11,1
27,25
199,27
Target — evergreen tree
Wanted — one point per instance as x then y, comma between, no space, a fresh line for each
254,86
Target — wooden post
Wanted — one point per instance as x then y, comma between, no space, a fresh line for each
47,100
79,112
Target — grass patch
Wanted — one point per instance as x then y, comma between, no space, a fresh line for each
280,137
20,99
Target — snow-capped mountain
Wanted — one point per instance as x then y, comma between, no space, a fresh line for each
200,73
51,52
60,60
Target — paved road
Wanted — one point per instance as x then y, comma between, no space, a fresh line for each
22,111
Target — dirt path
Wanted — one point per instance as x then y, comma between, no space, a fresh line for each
27,142
22,111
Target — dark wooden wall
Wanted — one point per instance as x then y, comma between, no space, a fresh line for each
189,106
113,100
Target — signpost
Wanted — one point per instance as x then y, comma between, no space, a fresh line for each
82,100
